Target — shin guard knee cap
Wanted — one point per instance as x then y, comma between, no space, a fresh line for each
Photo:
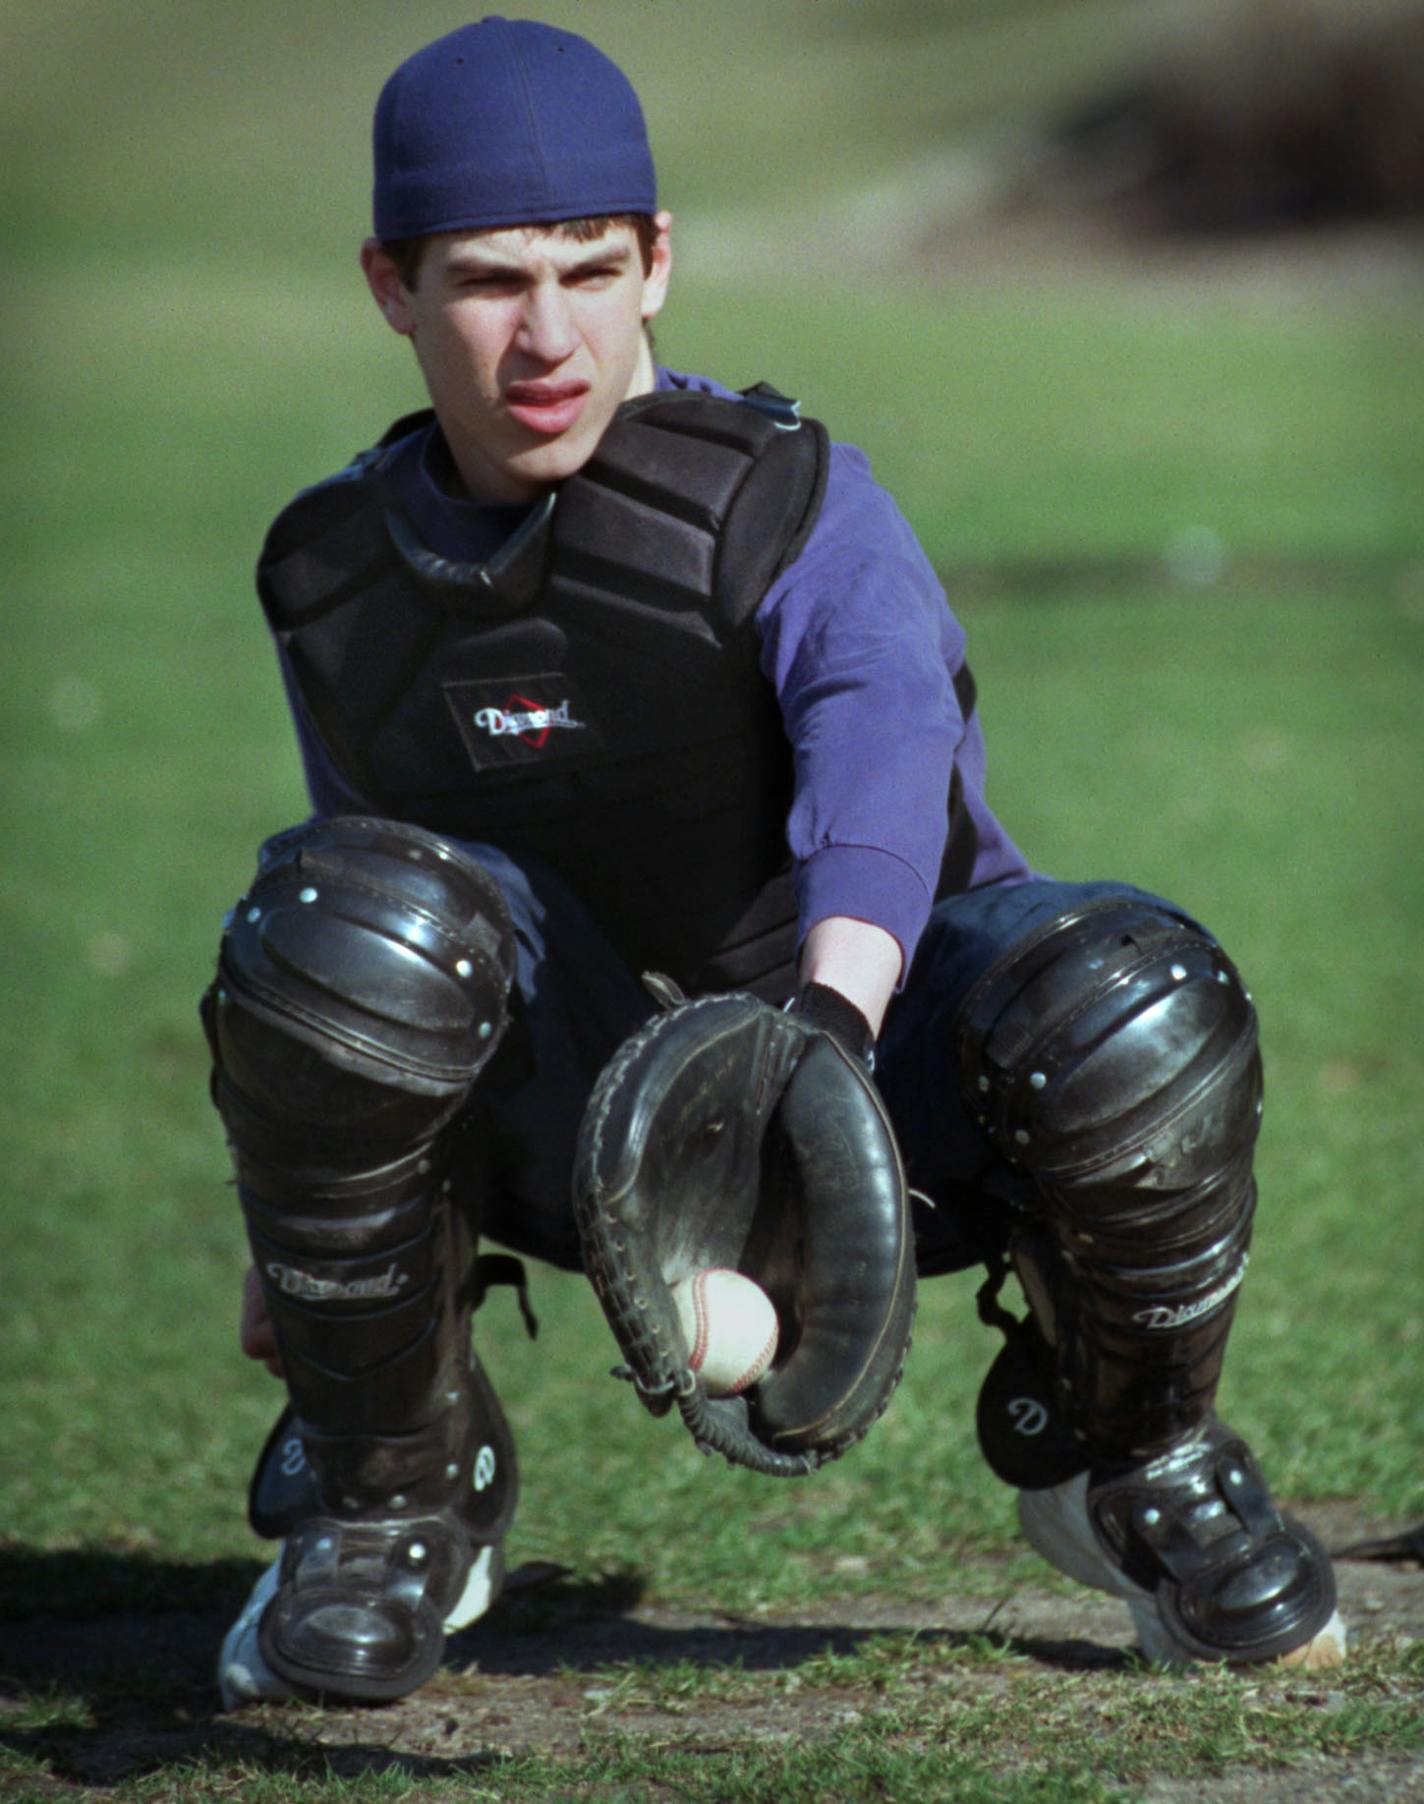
363,980
1113,1056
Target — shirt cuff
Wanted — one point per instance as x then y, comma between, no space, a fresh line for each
866,885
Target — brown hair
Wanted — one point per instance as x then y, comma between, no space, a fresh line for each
409,253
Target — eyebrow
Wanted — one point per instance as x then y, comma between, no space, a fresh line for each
595,255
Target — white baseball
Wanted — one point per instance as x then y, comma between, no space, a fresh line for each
730,1327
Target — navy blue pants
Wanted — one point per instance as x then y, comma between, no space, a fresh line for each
577,1001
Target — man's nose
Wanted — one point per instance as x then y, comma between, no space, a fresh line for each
547,329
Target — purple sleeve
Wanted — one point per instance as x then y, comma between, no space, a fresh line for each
861,646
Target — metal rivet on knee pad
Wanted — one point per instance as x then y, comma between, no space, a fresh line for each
324,1545
307,895
350,1503
1021,1136
486,1029
1235,1476
463,967
1151,1517
1179,972
227,919
415,1553
399,1501
983,1083
1223,977
453,1469
423,1167
452,1396
254,914
1037,1080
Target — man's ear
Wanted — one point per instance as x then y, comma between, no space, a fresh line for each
655,283
387,289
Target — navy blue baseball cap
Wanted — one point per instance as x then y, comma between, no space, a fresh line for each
508,122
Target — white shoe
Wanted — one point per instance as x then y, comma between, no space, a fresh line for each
244,1677
1175,1539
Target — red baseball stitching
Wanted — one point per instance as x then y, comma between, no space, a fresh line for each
754,1370
700,1320
703,1331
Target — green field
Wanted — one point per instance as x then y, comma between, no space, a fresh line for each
190,344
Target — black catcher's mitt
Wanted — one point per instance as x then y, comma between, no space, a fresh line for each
726,1133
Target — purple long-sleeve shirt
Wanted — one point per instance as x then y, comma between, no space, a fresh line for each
861,646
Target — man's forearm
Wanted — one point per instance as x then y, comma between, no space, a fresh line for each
858,960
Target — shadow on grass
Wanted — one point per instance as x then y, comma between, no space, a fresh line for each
84,1583
121,1751
107,1668
581,1627
107,1664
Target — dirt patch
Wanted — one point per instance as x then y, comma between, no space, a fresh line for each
561,1663
1363,1780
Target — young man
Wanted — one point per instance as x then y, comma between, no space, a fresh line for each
599,669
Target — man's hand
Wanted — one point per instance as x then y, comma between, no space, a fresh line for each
254,1330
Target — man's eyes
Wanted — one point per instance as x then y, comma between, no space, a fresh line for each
596,276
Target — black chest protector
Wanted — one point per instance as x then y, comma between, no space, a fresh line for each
591,695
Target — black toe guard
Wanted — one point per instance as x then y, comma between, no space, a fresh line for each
360,1607
1234,1578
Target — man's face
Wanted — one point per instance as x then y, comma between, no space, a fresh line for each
527,342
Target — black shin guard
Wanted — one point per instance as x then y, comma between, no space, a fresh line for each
361,988
373,1341
1112,1058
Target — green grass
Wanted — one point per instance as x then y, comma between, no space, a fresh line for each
1091,425
624,1769
192,346
904,1716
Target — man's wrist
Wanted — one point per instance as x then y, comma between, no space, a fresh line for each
857,959
837,1016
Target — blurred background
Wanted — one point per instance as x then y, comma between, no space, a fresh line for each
1123,300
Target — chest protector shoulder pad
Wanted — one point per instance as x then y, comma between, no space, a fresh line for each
723,494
